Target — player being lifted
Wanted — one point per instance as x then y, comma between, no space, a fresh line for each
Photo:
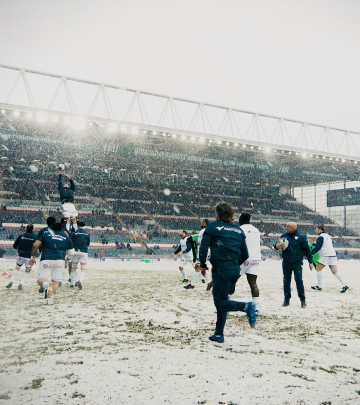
67,198
23,244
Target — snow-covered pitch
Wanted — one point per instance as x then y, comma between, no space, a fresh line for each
134,335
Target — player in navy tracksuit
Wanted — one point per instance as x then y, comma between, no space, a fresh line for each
81,242
54,245
23,244
228,251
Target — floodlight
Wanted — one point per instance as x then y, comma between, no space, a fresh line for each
16,113
123,128
218,142
29,115
337,159
210,141
289,152
112,127
251,147
236,144
227,143
311,155
324,157
134,130
154,132
192,139
2,111
173,136
202,140
42,116
344,160
144,131
317,157
259,148
54,118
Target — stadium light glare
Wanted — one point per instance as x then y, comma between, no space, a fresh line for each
154,132
134,130
3,111
218,142
123,128
16,113
173,136
244,145
337,159
297,153
289,152
236,144
192,139
210,141
311,155
344,160
29,115
324,157
112,127
251,147
42,116
54,118
259,148
144,131
275,151
356,162
330,158
78,123
317,157
227,143
267,149
90,124
304,155
282,151
202,140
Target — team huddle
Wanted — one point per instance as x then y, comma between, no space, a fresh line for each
59,243
232,250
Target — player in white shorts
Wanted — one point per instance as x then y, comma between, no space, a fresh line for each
81,242
328,257
52,262
251,267
67,198
23,244
197,242
186,252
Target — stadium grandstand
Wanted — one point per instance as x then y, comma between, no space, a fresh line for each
138,183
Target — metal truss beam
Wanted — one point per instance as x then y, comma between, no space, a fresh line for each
102,102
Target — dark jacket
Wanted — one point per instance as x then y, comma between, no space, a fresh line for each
297,248
66,193
24,244
81,240
227,244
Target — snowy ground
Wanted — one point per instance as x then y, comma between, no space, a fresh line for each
133,335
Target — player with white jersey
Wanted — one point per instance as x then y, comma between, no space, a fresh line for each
54,244
81,241
186,251
328,257
251,267
23,244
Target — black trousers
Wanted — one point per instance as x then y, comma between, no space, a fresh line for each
224,280
288,269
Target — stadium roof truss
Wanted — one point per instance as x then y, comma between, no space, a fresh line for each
28,90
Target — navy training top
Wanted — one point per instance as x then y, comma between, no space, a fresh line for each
24,244
81,240
54,245
226,242
66,193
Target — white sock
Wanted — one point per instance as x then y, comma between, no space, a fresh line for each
183,273
14,274
207,277
195,277
81,276
319,278
339,277
256,302
72,278
45,285
25,277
